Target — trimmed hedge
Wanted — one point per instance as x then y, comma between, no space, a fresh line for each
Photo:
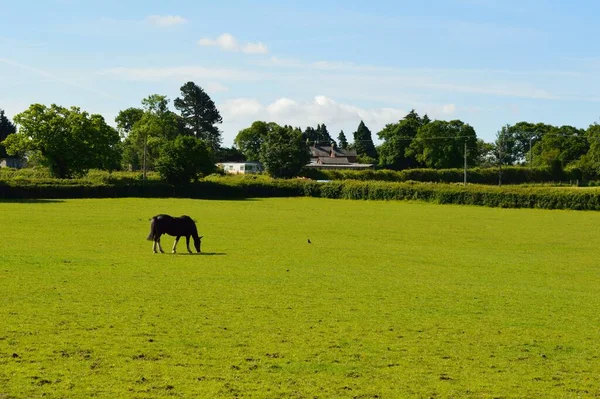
238,188
510,175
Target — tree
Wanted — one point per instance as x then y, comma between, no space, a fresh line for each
561,146
107,146
526,135
363,143
232,154
284,152
440,144
323,135
506,151
486,157
199,114
6,128
249,140
127,118
342,141
397,138
318,136
185,159
68,141
146,129
589,164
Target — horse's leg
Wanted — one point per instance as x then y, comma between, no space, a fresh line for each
187,242
175,244
154,246
160,246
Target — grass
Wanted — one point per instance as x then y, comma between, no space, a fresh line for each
390,300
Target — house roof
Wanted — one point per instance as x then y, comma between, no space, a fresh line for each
239,163
325,151
333,160
339,166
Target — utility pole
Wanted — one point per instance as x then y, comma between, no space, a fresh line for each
465,177
530,153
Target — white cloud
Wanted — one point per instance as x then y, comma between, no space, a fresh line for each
320,110
239,108
228,42
255,48
239,113
448,109
165,21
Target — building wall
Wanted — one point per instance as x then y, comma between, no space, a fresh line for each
12,163
241,168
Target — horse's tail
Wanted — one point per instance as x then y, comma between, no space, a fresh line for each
152,234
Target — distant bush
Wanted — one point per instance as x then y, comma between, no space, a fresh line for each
262,186
489,176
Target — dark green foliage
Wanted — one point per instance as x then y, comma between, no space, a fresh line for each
127,118
363,142
563,145
342,141
318,136
185,159
393,153
199,114
6,128
504,197
488,176
225,154
525,136
249,140
440,144
68,141
284,152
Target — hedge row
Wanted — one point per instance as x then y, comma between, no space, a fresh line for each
506,197
510,175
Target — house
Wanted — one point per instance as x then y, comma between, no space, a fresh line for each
241,167
17,163
331,157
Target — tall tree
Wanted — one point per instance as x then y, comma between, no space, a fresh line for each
311,136
199,114
185,159
560,147
485,154
363,143
323,135
440,144
146,130
127,118
342,140
397,138
506,147
284,152
67,140
249,140
6,128
526,135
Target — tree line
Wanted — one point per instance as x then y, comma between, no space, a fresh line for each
184,145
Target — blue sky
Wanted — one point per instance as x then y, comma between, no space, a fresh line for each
488,63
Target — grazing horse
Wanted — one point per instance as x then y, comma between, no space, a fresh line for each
182,226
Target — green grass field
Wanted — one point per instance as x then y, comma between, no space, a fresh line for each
390,300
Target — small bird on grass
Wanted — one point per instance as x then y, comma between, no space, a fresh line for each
309,241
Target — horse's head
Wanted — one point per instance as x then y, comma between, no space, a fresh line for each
197,243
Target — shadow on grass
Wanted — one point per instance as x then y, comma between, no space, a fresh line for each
30,201
200,254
